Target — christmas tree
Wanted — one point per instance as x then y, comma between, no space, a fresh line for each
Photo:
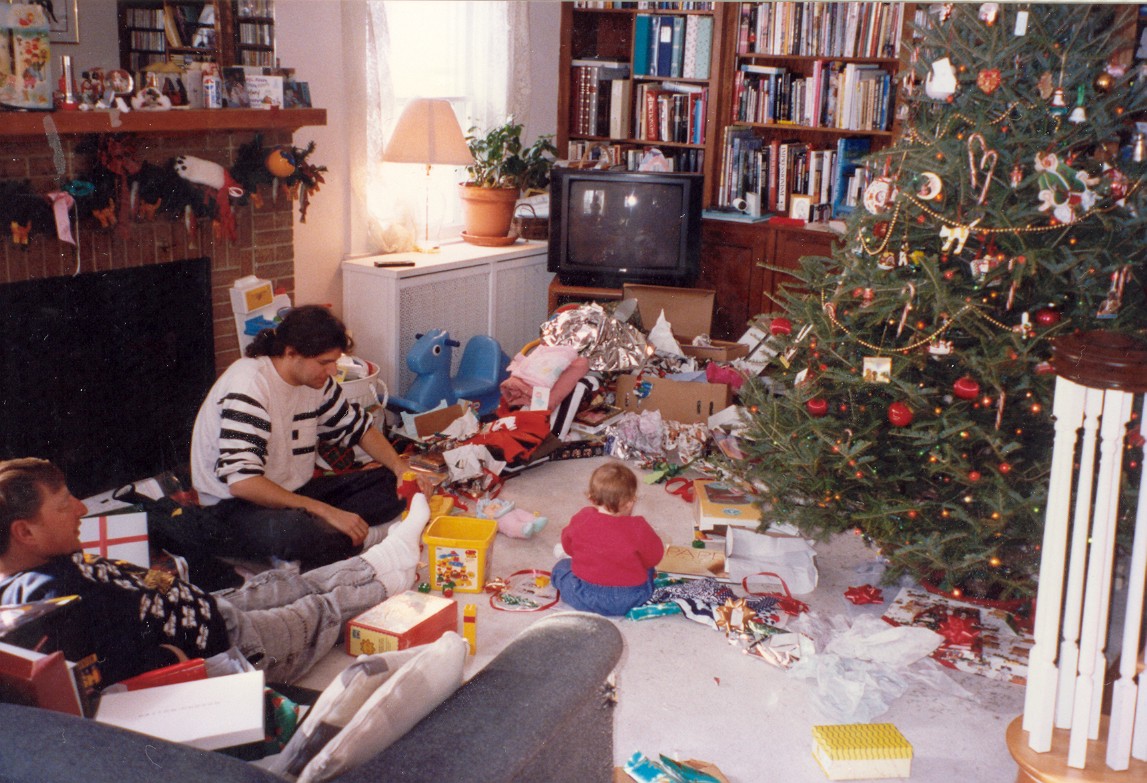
914,404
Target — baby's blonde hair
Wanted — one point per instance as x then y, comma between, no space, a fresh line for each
612,485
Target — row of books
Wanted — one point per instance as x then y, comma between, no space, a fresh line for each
671,112
831,181
644,6
602,91
629,156
677,47
841,29
850,96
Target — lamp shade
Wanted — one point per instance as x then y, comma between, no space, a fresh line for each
428,132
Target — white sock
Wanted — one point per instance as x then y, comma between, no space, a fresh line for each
374,535
395,560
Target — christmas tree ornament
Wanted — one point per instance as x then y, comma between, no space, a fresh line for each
1139,148
1045,85
817,407
1104,81
1065,192
1058,102
909,292
1079,113
1017,175
989,80
930,187
1046,316
899,414
940,84
989,12
780,326
974,475
983,167
1110,306
879,193
966,388
956,235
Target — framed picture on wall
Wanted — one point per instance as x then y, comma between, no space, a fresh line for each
63,21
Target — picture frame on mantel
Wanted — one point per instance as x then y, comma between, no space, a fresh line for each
65,27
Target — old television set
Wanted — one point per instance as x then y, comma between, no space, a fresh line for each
613,227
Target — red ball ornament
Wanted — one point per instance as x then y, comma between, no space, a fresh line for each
966,388
899,414
1005,468
781,326
817,406
974,475
1047,317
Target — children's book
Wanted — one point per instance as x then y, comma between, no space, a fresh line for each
721,503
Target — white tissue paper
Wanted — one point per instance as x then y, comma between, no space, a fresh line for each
661,337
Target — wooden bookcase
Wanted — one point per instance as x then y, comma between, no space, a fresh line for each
739,260
228,32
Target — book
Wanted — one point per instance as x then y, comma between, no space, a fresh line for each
642,32
664,30
621,95
849,151
677,52
38,680
704,48
296,95
721,503
691,562
212,713
862,751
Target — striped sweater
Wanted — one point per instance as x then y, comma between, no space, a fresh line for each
253,423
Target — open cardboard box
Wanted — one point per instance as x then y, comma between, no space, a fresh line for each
685,401
690,313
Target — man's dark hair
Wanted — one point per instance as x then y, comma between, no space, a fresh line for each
22,484
309,329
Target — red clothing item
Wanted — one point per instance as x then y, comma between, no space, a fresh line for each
611,551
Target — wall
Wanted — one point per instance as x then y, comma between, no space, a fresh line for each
309,38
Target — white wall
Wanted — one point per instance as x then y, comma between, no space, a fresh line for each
309,37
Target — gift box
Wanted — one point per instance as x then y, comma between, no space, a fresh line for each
720,503
405,620
119,536
867,751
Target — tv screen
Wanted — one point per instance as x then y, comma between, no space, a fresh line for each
613,227
103,373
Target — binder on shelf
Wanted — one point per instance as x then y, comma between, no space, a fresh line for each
642,38
704,47
676,63
664,30
849,151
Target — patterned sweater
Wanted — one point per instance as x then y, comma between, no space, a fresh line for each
253,423
126,613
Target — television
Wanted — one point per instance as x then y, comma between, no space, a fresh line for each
613,227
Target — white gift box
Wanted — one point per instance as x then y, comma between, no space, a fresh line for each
120,536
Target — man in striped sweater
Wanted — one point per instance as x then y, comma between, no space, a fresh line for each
255,443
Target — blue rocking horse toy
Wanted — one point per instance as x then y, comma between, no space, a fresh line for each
482,368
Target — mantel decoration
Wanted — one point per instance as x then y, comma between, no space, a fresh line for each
119,189
502,169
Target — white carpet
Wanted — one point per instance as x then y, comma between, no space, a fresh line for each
686,692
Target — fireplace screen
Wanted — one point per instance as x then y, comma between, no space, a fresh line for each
103,373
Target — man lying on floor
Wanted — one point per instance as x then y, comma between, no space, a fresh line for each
135,619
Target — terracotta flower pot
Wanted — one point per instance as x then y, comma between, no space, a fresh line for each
487,212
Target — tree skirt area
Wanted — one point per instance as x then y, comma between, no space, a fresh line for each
687,692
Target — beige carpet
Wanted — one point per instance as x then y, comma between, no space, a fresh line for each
687,692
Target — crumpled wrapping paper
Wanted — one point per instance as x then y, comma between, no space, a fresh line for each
644,436
860,669
609,344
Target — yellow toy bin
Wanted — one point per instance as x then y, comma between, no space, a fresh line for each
458,548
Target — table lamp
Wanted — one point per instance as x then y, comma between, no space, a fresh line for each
428,133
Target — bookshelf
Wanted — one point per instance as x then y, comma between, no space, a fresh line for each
637,76
228,32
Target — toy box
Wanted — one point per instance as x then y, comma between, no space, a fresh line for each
404,620
458,550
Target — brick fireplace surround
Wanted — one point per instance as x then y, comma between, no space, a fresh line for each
264,246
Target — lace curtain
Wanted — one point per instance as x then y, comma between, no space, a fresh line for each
475,54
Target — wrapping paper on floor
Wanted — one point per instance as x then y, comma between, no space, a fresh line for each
861,668
701,600
645,436
609,344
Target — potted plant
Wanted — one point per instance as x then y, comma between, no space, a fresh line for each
502,169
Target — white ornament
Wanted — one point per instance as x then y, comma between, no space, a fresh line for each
879,193
989,12
941,82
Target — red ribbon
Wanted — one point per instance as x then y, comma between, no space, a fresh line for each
864,594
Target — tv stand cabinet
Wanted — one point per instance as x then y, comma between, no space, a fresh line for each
561,294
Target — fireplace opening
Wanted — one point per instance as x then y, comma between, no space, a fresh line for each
103,373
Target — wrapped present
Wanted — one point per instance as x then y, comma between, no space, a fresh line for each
117,536
979,640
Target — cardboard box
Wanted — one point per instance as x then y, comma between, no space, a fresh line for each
685,401
404,620
117,536
690,313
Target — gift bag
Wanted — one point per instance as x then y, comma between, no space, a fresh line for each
25,57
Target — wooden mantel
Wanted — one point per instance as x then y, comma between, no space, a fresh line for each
30,123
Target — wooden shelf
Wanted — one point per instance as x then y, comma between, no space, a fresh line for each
174,121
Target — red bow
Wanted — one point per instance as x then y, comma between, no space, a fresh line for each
865,594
